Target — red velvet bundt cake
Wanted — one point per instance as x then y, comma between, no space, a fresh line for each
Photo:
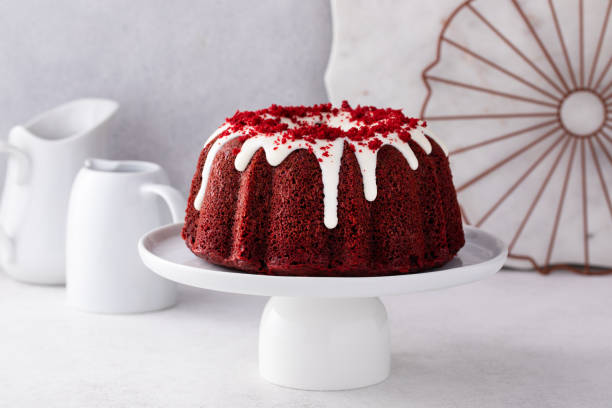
323,191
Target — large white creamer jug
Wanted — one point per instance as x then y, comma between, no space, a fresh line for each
112,204
45,155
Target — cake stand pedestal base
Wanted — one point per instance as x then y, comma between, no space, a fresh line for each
321,333
324,343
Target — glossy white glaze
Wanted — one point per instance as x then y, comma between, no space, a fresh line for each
328,153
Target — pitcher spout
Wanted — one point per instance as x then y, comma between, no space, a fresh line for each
73,119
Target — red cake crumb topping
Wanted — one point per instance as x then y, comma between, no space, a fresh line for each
368,123
374,144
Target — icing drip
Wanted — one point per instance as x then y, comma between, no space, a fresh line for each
328,152
212,153
329,163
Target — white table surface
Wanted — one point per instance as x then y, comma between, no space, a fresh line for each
515,340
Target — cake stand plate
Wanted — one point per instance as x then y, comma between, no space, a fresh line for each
321,333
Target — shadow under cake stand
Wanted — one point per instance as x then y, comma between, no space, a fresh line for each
321,333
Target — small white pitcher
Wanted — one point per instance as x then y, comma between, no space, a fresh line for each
44,157
112,204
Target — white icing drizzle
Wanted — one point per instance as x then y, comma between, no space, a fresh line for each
328,153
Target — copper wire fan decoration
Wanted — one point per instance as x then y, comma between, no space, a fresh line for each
567,75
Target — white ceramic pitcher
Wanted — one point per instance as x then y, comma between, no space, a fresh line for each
44,156
112,204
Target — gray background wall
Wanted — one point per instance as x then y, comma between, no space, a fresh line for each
178,68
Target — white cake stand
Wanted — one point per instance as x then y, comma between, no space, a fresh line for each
320,333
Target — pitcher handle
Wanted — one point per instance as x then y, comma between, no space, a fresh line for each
21,158
173,198
7,246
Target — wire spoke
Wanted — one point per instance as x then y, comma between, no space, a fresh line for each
507,159
491,116
599,43
581,39
536,200
490,91
604,134
604,188
603,148
562,41
539,41
585,209
603,73
502,137
514,48
520,180
464,215
553,236
500,68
